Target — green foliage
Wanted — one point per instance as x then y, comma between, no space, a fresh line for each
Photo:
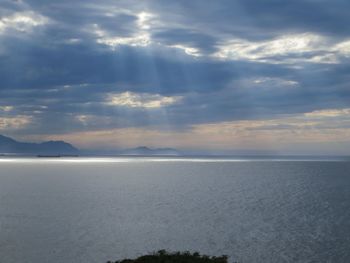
163,256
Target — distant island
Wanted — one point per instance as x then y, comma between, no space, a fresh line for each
49,148
143,150
9,146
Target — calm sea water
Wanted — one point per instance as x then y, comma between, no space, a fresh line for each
94,210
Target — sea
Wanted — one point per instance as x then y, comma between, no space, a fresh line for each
275,209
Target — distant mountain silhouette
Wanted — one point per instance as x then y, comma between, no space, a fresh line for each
11,146
143,150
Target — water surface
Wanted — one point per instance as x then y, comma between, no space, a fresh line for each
94,210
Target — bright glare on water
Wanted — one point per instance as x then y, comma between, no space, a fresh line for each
98,209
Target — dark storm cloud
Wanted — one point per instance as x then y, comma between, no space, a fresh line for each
64,68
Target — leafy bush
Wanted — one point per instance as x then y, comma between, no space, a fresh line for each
163,256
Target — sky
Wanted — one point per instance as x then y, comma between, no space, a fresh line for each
226,75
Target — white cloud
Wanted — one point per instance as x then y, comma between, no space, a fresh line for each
140,38
329,113
141,100
275,82
106,38
343,48
6,108
82,119
14,123
144,20
266,51
145,23
187,49
306,47
22,21
97,120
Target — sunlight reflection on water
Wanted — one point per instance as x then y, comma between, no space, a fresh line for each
136,159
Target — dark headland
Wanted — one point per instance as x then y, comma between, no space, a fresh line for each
49,148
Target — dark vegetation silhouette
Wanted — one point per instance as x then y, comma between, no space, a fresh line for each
163,256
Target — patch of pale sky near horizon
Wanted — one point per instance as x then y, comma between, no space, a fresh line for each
330,128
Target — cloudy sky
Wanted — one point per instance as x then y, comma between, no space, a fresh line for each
210,75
